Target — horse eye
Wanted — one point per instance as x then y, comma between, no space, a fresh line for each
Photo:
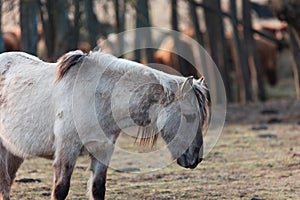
190,118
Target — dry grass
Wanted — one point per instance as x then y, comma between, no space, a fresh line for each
244,164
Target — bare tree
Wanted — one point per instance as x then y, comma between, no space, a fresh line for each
61,35
143,20
63,30
252,53
76,27
120,9
174,20
215,29
28,21
91,22
296,61
195,19
1,38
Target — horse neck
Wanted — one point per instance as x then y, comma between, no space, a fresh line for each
121,89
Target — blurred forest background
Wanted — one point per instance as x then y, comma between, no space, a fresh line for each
254,43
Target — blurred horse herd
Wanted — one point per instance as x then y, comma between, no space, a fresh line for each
264,19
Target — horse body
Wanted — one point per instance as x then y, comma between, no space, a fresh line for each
27,98
37,118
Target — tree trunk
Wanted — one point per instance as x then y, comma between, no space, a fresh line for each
199,39
46,12
63,31
252,53
143,20
174,23
174,12
60,35
28,19
117,13
239,57
215,29
296,60
120,9
194,16
91,22
76,28
1,38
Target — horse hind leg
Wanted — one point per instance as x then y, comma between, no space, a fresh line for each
13,163
5,181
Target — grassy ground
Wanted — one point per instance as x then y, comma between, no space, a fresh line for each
246,163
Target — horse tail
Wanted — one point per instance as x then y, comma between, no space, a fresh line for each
67,61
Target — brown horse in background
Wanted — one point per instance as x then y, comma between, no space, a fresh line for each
267,52
164,55
12,38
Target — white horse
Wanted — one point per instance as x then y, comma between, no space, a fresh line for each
36,113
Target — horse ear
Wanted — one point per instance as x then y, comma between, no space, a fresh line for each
186,86
200,83
201,80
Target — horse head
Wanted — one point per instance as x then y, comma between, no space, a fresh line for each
185,121
180,117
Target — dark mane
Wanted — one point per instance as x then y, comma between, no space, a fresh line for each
147,135
204,101
67,61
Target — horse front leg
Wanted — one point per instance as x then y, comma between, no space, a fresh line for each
99,168
99,164
98,180
63,167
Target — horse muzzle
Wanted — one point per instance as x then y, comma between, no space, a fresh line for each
187,162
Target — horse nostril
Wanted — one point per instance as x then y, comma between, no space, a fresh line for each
194,165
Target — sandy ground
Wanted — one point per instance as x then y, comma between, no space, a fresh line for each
256,157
